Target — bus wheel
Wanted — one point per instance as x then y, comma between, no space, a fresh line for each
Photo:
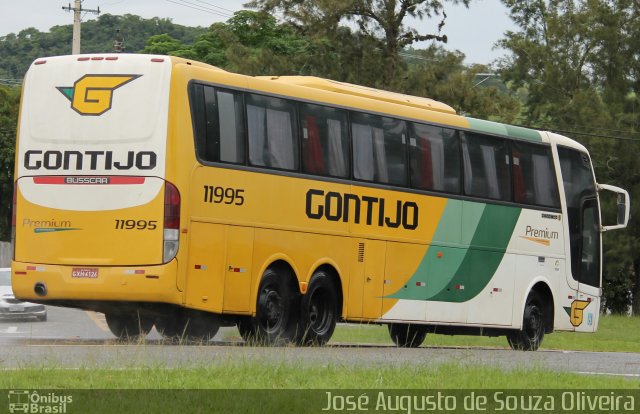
532,333
201,326
129,326
188,326
276,321
170,327
318,310
406,335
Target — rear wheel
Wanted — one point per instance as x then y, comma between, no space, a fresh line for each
318,310
276,319
129,326
532,333
406,335
170,326
188,326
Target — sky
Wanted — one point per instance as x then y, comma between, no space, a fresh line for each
473,31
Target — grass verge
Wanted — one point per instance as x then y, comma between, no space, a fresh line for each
615,334
256,375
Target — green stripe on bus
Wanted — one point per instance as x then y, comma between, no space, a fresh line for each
510,131
489,127
524,133
433,270
481,262
448,274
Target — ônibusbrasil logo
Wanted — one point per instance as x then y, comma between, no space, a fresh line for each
33,401
93,94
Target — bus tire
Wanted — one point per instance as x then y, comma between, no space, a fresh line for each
188,326
201,326
170,327
318,310
406,335
276,319
530,336
129,326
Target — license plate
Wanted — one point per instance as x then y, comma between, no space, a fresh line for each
84,272
16,308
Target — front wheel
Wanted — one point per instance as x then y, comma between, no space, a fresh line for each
406,335
530,336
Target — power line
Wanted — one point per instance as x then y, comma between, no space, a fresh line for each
547,125
195,6
217,7
592,135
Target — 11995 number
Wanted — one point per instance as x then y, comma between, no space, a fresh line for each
136,224
224,195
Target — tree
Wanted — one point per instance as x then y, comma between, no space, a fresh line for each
9,102
381,21
442,75
578,61
250,42
18,51
164,44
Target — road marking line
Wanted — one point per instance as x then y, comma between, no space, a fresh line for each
99,321
608,373
11,330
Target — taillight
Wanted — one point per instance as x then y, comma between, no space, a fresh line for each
171,222
13,220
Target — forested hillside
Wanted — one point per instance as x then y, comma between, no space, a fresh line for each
17,51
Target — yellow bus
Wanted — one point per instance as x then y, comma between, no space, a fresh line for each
166,192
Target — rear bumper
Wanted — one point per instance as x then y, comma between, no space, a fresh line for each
96,283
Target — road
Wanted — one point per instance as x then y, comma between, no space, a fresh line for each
73,339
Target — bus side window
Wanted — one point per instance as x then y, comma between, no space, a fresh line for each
533,175
231,133
218,124
486,167
379,149
272,133
435,158
325,141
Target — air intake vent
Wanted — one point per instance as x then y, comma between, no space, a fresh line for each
360,252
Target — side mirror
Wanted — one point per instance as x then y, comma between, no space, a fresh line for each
624,206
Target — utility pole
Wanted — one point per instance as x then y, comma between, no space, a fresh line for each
77,17
118,43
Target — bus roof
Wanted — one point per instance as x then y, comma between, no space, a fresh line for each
363,91
417,102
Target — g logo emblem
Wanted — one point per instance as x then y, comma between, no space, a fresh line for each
93,94
576,311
